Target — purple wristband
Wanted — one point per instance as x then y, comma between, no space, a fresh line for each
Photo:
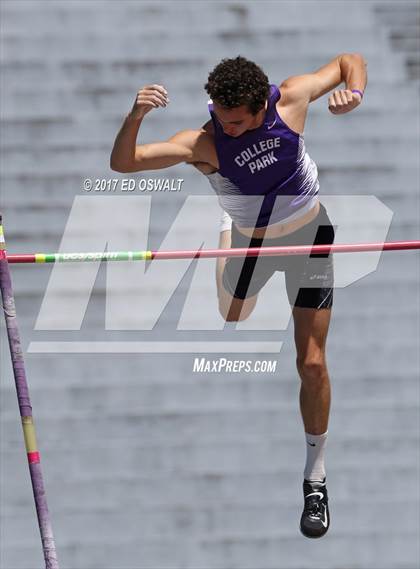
357,91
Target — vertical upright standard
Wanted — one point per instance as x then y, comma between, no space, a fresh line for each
25,408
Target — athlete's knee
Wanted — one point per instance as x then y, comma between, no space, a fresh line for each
234,309
312,368
234,312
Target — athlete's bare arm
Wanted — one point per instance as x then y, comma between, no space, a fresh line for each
190,146
298,91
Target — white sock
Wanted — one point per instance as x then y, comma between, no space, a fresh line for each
315,446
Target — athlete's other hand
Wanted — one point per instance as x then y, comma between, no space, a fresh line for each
148,98
343,101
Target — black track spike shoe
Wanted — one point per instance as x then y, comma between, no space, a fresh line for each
315,519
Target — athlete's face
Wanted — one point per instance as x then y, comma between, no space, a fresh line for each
238,120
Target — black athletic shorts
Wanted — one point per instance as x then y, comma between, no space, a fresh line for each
309,278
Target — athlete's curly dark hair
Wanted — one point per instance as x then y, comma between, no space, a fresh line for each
236,82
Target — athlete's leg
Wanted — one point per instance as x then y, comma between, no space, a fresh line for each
231,309
311,329
311,314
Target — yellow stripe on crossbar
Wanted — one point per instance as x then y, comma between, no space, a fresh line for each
39,258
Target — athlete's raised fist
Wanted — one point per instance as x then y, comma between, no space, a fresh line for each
148,98
343,101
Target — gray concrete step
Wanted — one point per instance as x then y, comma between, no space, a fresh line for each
150,15
56,131
55,193
168,490
94,71
208,554
214,523
402,152
218,459
210,391
53,47
65,100
405,14
182,425
213,554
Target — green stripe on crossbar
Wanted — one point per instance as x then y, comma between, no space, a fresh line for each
107,256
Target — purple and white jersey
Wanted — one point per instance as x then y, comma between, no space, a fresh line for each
269,165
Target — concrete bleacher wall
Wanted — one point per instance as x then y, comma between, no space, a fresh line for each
146,464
